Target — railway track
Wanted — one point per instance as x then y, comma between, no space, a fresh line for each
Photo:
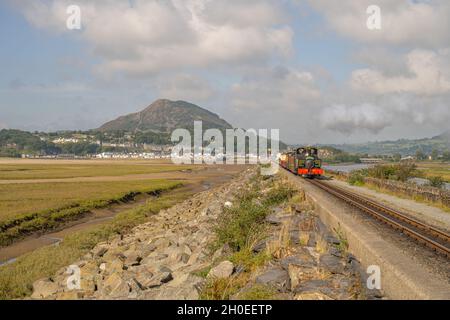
433,238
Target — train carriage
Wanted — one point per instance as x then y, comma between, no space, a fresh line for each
303,161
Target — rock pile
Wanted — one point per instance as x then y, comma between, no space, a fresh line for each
157,260
310,263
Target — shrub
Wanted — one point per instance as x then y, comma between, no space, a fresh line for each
356,178
436,182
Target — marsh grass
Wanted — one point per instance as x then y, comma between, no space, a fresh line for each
75,201
28,171
16,279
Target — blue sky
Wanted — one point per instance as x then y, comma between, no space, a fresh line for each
301,66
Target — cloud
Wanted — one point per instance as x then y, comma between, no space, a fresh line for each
429,76
423,24
348,119
185,87
152,36
275,98
278,88
395,111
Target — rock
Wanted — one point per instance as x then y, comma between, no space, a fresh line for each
222,251
331,263
314,285
99,251
300,257
132,259
44,288
115,266
222,270
312,296
158,280
116,287
273,219
335,252
259,246
161,243
275,277
144,279
228,204
297,273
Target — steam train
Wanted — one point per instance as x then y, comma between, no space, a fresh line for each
302,161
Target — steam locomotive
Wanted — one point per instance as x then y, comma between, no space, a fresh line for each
302,161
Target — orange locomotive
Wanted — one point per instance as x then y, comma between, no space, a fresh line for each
303,161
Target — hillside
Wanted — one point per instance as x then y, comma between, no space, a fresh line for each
402,146
165,116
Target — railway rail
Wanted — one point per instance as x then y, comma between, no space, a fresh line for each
433,238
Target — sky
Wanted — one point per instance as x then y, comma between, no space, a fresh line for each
311,68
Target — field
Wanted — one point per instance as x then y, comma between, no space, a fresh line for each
22,199
435,169
40,196
44,195
23,170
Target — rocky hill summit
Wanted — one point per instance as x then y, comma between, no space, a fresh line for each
163,116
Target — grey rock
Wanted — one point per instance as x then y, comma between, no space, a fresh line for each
222,270
159,279
296,261
276,277
315,285
273,219
331,263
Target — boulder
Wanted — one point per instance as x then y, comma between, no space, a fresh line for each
222,270
44,288
99,251
331,263
144,279
115,287
158,280
274,277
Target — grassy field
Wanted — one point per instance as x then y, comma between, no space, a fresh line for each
16,279
22,199
41,207
19,171
433,169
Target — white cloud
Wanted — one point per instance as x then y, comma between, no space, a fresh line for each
274,89
152,36
411,23
429,76
347,120
185,87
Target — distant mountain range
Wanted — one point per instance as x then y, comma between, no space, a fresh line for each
164,116
403,146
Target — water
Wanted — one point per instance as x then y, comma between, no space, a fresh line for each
348,167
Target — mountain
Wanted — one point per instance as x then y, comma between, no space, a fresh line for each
165,116
402,146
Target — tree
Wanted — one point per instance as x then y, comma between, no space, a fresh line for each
397,157
420,155
446,155
434,154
